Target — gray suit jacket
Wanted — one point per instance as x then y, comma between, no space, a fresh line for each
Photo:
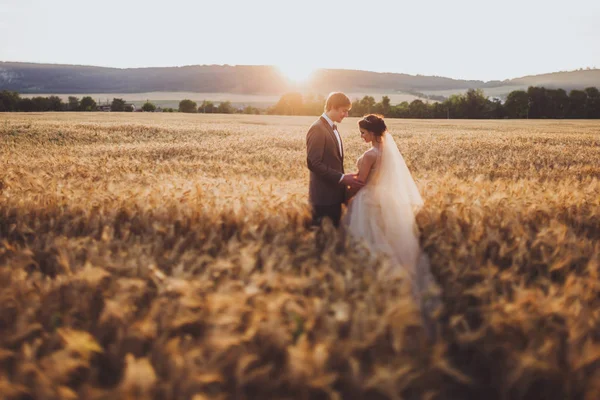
326,165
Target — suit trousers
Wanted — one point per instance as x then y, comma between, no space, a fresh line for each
334,212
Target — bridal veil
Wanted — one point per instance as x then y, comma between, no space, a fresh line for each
382,215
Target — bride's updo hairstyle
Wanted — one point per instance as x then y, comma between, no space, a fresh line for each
373,123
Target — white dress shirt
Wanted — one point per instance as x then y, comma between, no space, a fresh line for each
337,136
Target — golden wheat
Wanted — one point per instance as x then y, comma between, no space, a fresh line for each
170,256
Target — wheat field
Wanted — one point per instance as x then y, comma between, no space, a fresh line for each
169,256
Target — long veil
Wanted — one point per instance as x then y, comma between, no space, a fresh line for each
382,214
396,192
393,176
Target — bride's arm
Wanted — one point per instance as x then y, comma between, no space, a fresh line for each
365,166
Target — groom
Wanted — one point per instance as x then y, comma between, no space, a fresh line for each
325,159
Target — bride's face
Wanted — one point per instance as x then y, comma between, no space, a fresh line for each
366,135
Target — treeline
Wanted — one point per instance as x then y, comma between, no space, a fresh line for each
536,102
12,101
208,107
296,104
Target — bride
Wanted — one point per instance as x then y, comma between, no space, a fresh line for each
382,213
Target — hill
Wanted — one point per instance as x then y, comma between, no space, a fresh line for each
256,80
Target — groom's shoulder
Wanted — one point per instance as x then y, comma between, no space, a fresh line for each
317,124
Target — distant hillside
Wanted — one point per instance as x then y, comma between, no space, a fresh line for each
565,80
350,80
255,80
48,78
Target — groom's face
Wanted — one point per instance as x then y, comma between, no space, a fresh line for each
340,113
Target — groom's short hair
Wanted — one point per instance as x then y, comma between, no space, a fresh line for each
337,100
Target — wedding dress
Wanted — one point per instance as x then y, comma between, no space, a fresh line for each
382,216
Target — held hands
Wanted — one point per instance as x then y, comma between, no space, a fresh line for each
351,181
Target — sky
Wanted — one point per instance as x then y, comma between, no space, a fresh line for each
463,39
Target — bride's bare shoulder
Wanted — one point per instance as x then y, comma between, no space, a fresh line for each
370,154
373,151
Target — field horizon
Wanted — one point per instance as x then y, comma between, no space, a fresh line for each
172,99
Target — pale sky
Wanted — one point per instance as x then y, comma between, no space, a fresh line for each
467,39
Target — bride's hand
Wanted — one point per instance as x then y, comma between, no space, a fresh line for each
352,181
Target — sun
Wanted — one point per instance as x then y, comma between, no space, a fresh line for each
297,73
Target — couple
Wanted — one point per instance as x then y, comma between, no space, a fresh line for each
382,212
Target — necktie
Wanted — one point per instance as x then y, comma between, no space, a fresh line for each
334,127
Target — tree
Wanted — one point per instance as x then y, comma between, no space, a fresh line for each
401,110
438,110
117,105
87,104
26,104
40,103
475,103
288,104
187,106
251,110
385,106
417,109
537,102
73,103
356,110
9,101
207,107
148,107
55,103
517,104
225,108
592,105
455,106
367,103
313,105
577,103
495,109
558,103
364,106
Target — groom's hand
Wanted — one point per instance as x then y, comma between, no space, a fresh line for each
352,181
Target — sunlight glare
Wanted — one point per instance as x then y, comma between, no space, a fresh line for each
296,72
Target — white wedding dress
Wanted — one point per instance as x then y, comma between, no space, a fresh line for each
382,216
